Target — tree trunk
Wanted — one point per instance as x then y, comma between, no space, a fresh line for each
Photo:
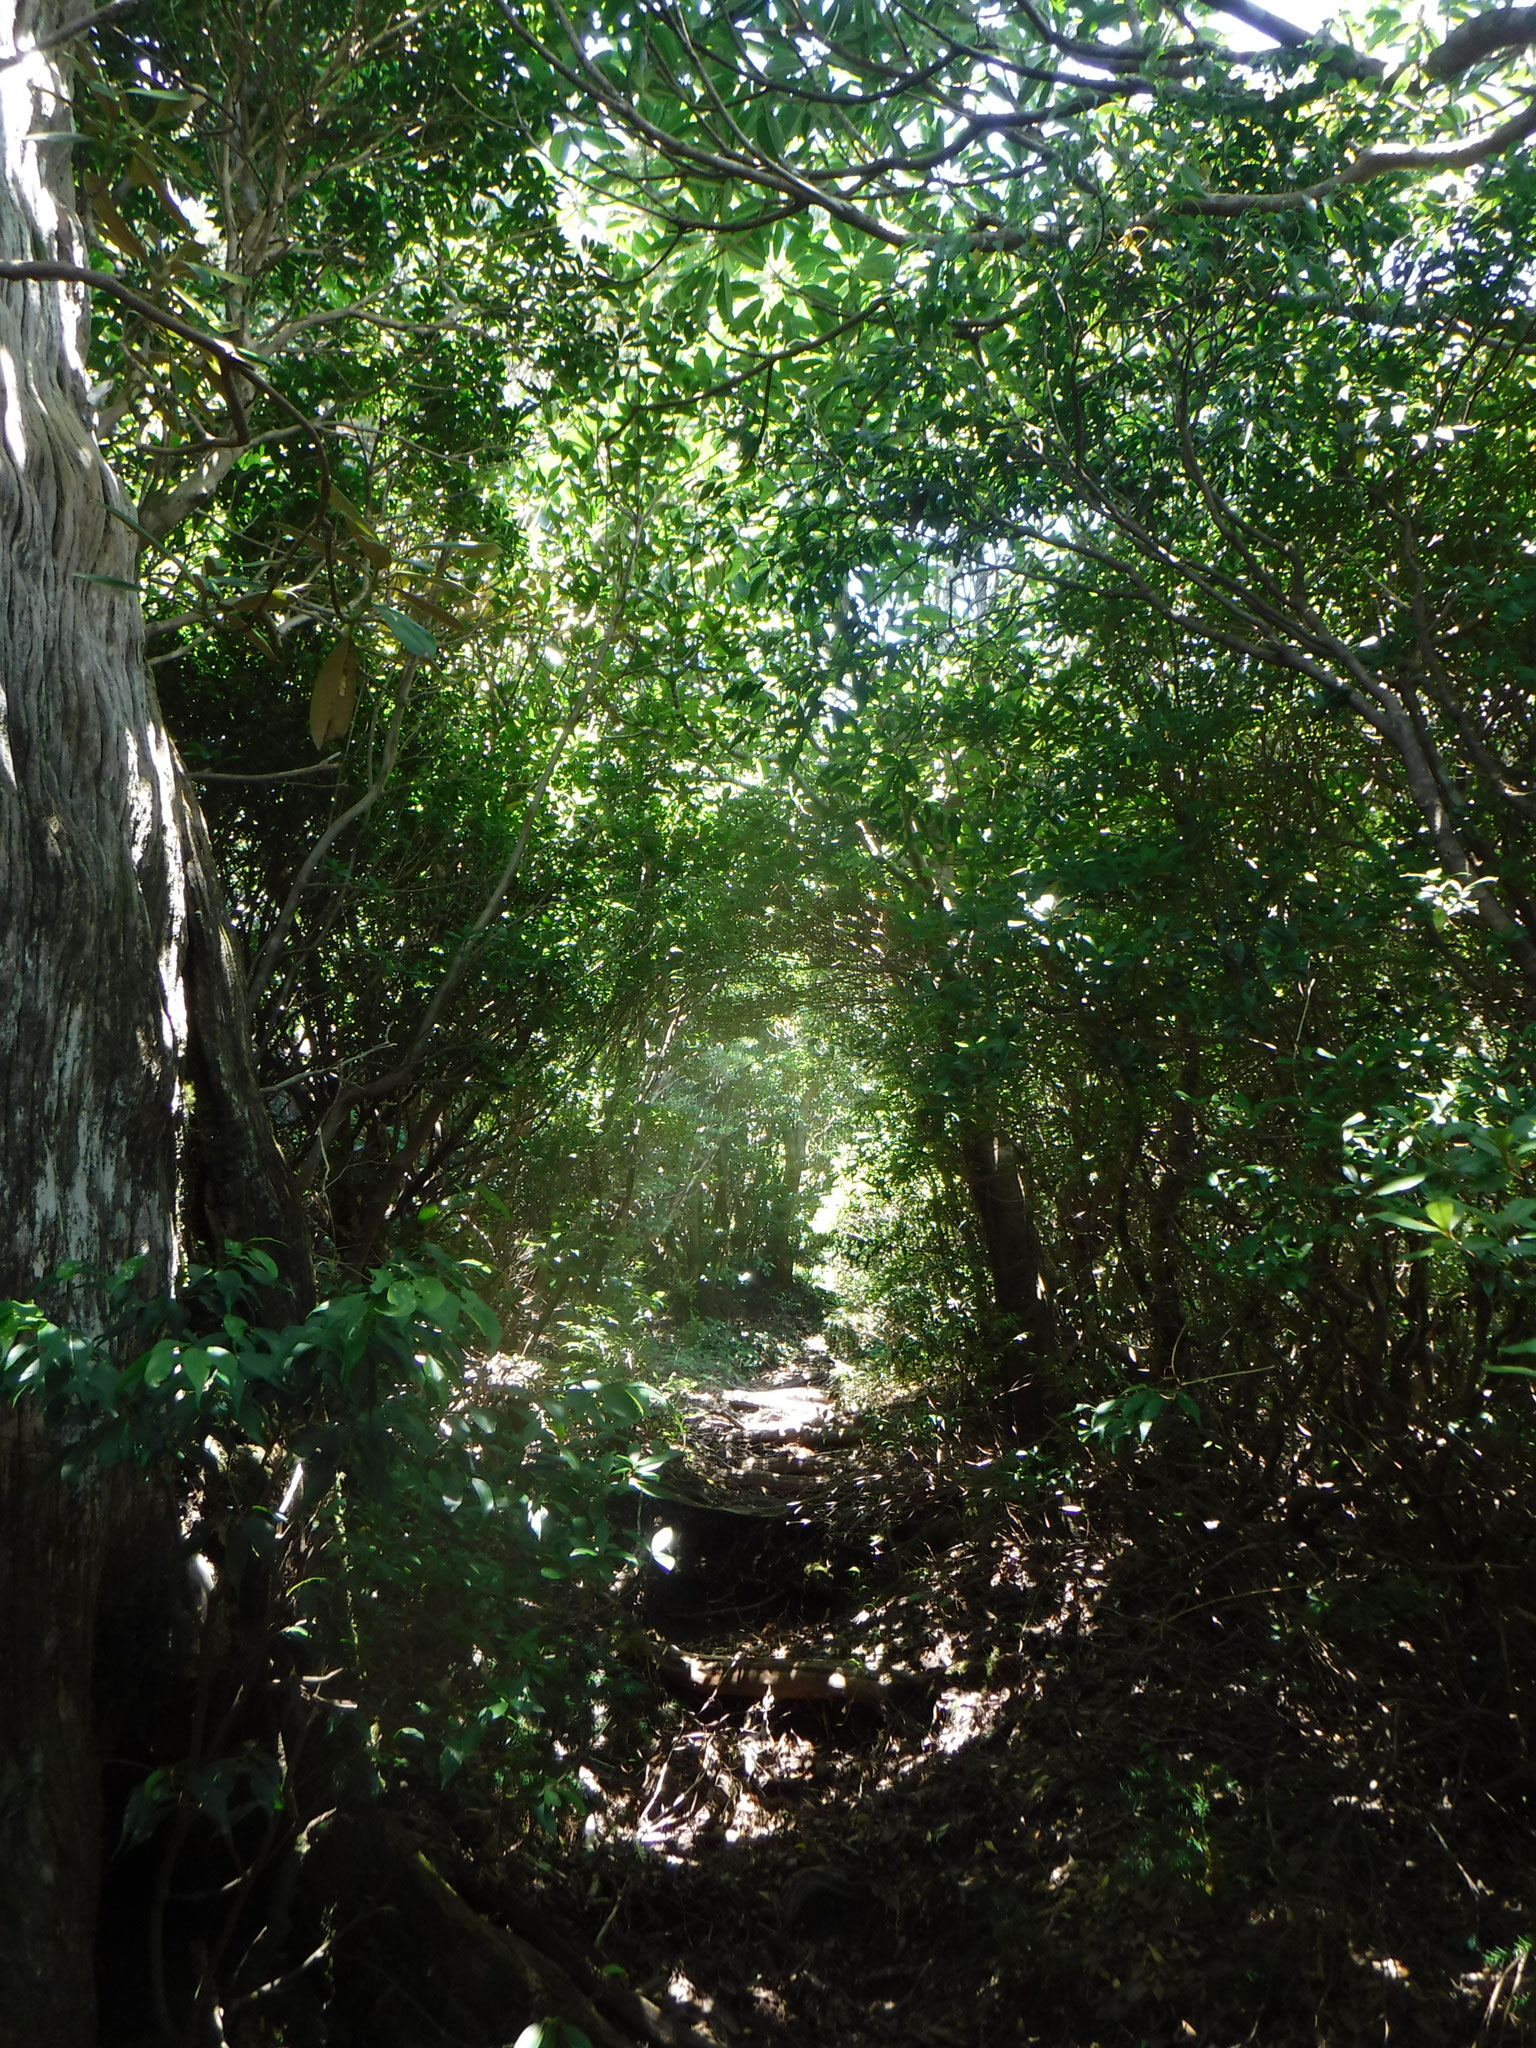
783,1233
130,1123
1012,1251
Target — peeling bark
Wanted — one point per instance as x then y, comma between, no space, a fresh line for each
130,1123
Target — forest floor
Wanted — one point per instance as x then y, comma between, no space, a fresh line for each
1147,1754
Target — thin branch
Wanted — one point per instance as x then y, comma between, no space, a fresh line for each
327,1067
261,974
719,167
766,364
229,359
1386,160
354,1092
278,775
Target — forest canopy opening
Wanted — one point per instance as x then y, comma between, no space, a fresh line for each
767,905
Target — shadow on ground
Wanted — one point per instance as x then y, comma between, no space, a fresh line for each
1190,1758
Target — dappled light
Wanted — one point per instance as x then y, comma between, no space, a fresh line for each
767,971
1131,1762
1128,1758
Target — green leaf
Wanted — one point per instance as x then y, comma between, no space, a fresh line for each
336,497
148,1807
430,1292
197,1366
414,638
159,1363
482,1317
1404,1221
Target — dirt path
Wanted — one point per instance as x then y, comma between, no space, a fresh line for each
955,1753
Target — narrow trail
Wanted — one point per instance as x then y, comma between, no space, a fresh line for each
785,1823
913,1740
949,1752
773,1526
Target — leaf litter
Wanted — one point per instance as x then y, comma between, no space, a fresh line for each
1160,1753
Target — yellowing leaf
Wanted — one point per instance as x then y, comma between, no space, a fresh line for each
375,550
114,228
420,603
335,695
340,502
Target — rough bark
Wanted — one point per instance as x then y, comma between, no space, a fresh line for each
130,1124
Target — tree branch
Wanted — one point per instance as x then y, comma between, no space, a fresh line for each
278,775
354,1092
227,358
262,972
766,364
1385,161
1337,56
1504,28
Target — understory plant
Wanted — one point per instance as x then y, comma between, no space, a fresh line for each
386,1547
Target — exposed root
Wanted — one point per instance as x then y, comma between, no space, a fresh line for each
775,1678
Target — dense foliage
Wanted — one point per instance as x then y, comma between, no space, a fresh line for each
929,606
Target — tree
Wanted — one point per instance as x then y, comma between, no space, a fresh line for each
1078,271
130,1119
957,572
944,128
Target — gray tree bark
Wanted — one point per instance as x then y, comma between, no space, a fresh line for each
130,1123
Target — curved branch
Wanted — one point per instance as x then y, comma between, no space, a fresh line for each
1385,161
261,974
1336,56
1485,35
229,360
277,775
352,1093
765,365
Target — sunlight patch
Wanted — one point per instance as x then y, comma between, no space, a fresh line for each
964,1717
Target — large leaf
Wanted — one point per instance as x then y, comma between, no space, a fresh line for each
334,697
414,638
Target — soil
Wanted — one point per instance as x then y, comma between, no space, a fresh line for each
1162,1749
